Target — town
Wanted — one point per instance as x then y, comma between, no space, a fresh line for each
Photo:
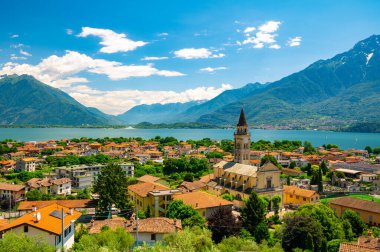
84,194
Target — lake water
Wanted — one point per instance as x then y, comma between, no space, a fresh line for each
317,138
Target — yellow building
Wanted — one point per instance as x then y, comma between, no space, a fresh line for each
296,196
151,195
240,178
369,211
204,203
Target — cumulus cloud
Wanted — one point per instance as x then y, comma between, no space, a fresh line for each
154,58
25,53
15,36
212,69
15,57
60,71
19,45
296,41
111,41
264,36
197,53
116,102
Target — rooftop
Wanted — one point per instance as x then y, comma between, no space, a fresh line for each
365,205
142,189
294,190
241,169
79,203
11,187
200,200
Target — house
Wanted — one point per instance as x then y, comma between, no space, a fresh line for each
81,176
61,186
368,177
364,244
129,168
292,172
149,230
16,192
26,164
6,165
191,186
77,204
148,178
153,196
296,196
47,223
204,203
369,211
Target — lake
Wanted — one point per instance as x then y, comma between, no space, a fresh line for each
317,138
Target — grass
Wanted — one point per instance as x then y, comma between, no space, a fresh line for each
356,196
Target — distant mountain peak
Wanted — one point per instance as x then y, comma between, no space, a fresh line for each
369,44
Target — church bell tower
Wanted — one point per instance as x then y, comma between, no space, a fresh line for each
242,141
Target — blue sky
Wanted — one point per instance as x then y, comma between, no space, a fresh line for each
95,50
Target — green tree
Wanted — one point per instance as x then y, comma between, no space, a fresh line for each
261,232
253,213
83,194
112,187
33,195
292,165
320,180
223,223
297,228
376,150
188,215
189,177
269,158
276,200
369,149
148,212
357,224
324,167
348,234
227,196
308,148
333,245
14,243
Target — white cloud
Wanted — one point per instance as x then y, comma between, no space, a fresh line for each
196,53
69,31
60,71
212,69
15,36
154,58
249,29
25,53
163,34
116,102
264,37
112,42
15,57
270,26
296,41
19,45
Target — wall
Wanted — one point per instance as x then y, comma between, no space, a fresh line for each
364,215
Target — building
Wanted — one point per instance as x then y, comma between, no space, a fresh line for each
149,230
60,186
81,176
364,244
204,203
191,186
26,164
242,141
129,169
239,178
153,196
368,177
77,204
47,223
369,211
296,196
12,193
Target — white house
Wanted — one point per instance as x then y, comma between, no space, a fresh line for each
47,223
26,164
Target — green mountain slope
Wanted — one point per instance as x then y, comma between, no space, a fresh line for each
27,101
340,90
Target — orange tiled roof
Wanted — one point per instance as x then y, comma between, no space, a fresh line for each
80,203
365,205
29,159
148,178
11,187
294,190
158,225
142,189
205,179
47,223
200,200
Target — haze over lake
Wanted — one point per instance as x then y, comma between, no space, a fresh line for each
343,139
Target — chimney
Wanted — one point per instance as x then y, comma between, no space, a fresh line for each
71,211
196,204
34,208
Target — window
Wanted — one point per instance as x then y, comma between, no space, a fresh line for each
26,229
58,239
291,196
153,237
297,197
304,199
204,213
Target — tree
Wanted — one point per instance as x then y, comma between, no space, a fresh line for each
292,165
369,149
348,234
33,195
276,200
320,180
324,167
297,228
188,177
261,232
188,215
84,194
223,223
288,180
227,196
12,243
308,147
148,212
333,245
376,150
112,187
357,224
253,213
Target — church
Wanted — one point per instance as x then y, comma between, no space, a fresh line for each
240,178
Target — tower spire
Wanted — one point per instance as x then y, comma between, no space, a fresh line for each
242,121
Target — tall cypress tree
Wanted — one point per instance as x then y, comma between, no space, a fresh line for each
253,213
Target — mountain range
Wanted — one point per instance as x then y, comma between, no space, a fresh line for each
340,91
